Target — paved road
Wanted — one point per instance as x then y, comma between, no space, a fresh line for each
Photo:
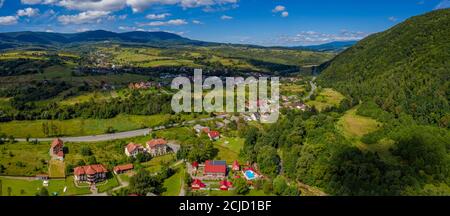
313,89
122,135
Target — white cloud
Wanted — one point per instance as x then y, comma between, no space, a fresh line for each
282,10
158,16
443,4
392,19
130,28
93,5
174,22
279,8
8,20
313,37
28,12
123,17
140,5
83,17
225,17
136,5
83,30
197,22
34,2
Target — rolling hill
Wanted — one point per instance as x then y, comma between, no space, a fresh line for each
403,70
336,46
47,38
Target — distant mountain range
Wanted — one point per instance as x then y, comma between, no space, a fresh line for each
14,39
336,46
45,39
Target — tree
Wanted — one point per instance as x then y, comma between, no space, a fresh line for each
2,168
43,192
279,185
11,139
143,157
86,151
268,161
267,187
45,129
69,169
251,135
240,186
9,191
92,160
110,130
144,182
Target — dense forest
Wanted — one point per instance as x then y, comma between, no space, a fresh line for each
307,147
400,78
404,69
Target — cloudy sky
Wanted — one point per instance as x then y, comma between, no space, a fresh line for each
262,22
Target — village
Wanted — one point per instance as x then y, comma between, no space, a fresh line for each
209,175
205,176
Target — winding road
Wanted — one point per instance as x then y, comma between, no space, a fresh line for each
313,89
122,135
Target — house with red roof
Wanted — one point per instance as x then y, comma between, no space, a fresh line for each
132,149
157,147
214,135
215,169
195,165
123,168
225,185
57,149
91,173
201,129
197,184
236,166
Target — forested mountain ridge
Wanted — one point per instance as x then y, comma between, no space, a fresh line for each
19,39
404,69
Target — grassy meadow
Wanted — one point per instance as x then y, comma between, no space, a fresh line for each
326,98
84,127
24,159
22,187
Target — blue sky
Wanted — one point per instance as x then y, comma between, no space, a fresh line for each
261,22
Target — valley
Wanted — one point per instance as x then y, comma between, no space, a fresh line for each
90,114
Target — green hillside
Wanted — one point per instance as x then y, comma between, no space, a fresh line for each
404,69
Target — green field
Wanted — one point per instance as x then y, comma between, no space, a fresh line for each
326,98
155,164
56,169
226,56
355,126
174,183
111,183
32,55
83,127
30,187
107,153
92,96
63,73
229,152
24,159
180,133
292,89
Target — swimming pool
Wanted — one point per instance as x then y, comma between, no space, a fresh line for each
250,175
